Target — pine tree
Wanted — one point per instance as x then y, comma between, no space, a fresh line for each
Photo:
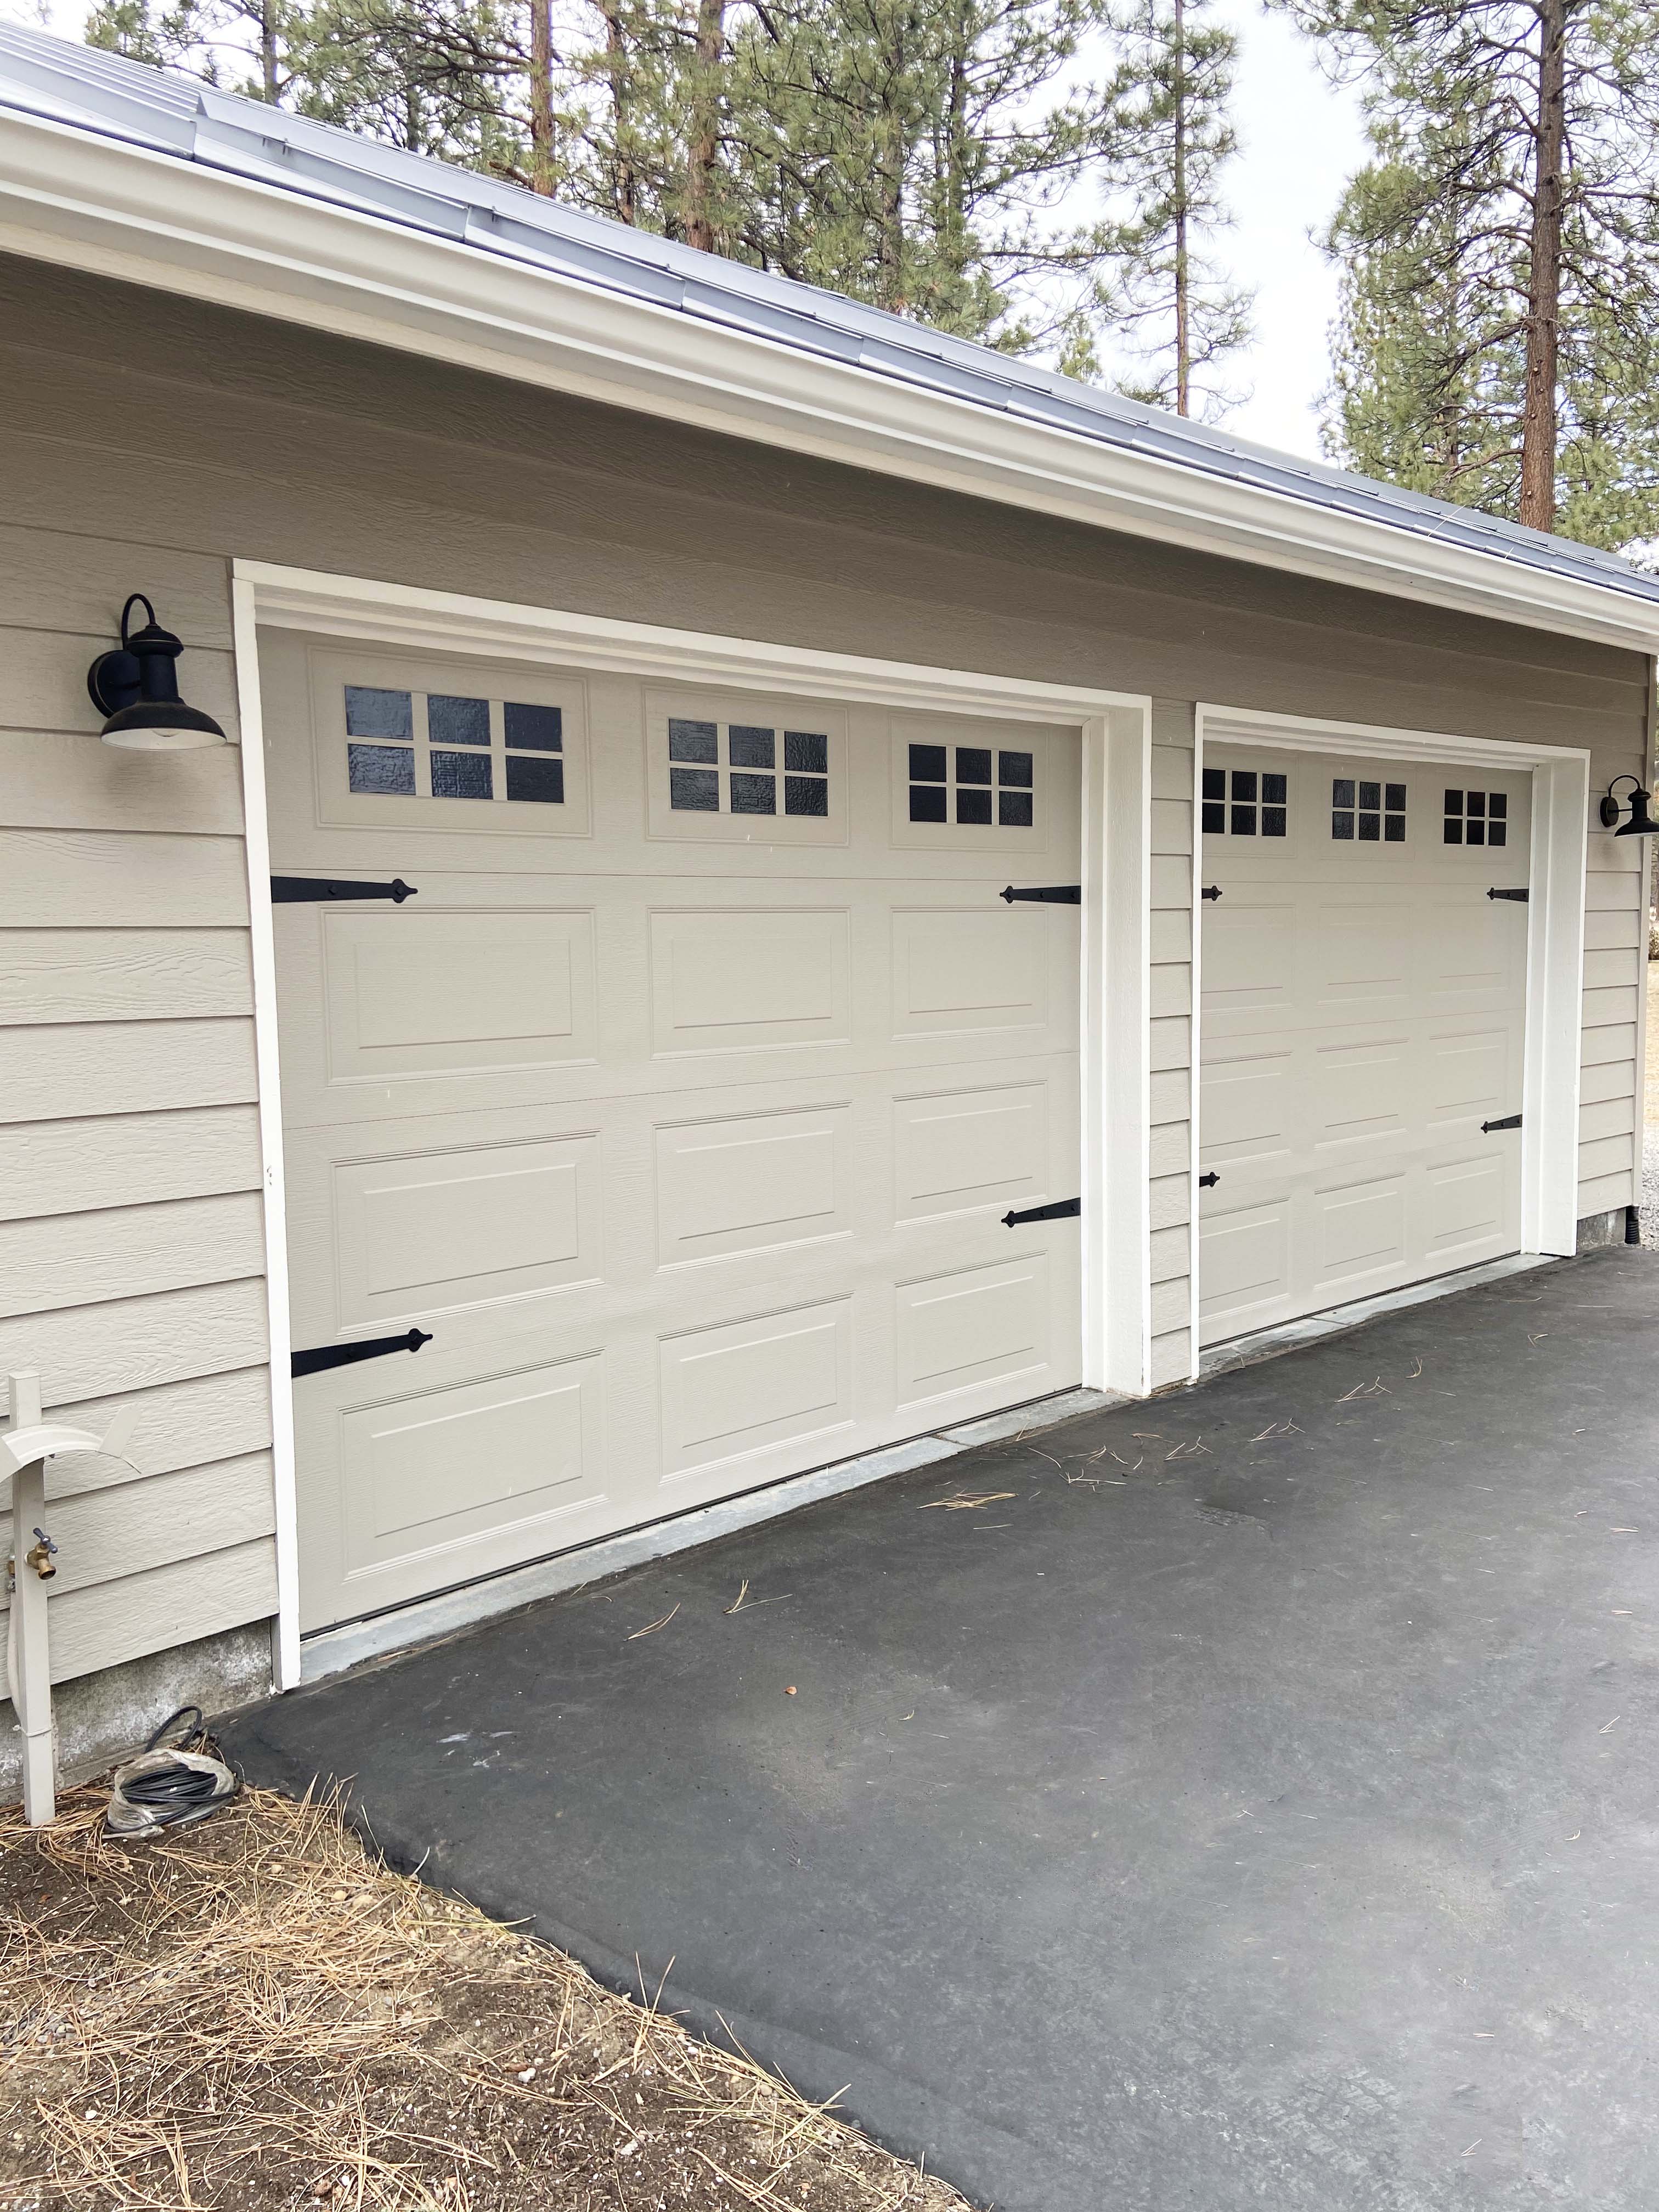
1497,338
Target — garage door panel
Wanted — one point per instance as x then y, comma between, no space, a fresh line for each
413,995
1390,1001
754,979
980,1326
749,1386
755,1183
963,1151
964,970
429,1233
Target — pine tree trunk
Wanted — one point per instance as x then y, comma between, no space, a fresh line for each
269,69
703,139
616,59
1182,272
541,97
1539,424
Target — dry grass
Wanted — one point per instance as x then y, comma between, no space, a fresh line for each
253,2013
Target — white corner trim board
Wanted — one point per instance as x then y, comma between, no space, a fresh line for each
1115,728
1555,940
82,200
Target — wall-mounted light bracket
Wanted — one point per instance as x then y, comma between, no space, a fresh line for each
136,689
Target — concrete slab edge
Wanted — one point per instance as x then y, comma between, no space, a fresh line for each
338,1649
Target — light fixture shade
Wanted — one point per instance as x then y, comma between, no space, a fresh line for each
136,689
1641,823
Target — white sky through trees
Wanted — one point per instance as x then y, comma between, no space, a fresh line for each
1300,139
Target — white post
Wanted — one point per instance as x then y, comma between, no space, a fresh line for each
28,1661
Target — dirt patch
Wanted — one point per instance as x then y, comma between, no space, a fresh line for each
251,2013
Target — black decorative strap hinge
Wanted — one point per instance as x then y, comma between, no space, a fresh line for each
1520,897
1208,1182
305,890
347,1355
1508,1122
1063,1209
1048,894
1211,891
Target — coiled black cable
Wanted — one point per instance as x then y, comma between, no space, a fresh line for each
176,1791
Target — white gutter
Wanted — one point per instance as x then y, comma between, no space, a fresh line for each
97,203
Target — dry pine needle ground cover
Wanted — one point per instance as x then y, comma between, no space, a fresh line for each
251,2013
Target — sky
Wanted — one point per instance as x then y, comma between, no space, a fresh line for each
1300,139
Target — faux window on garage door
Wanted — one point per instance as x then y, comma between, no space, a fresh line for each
679,1104
1363,1027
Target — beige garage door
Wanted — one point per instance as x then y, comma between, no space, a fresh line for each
1363,1016
679,1106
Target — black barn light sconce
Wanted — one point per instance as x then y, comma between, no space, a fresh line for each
1641,823
136,689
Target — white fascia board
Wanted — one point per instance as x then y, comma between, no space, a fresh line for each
124,211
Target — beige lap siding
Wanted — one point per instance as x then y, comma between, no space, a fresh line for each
1615,973
131,1240
1172,1021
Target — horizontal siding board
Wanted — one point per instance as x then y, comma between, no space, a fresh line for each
1171,990
92,1629
104,879
188,1423
1171,1044
1172,936
1172,825
1171,1200
1615,1004
1172,1358
1607,929
132,1344
1602,1194
1170,1150
124,975
1605,1156
1172,881
78,783
85,1069
1172,1251
1605,1117
1604,893
1605,967
79,1258
1608,1043
60,579
1171,1306
139,1159
1171,1091
1174,722
45,686
106,1535
1172,771
1611,1078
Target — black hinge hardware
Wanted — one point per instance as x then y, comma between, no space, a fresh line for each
1509,1121
1211,891
1063,1209
346,1355
1208,1182
304,890
1520,897
1048,894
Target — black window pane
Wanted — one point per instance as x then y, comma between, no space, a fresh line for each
1475,804
973,764
371,713
694,741
806,752
1215,817
973,805
1474,833
748,747
1274,790
1395,793
1370,794
1342,827
1243,783
1342,791
694,790
808,794
926,800
1370,828
1273,821
753,795
537,729
1015,769
457,721
1454,805
461,775
380,767
1014,809
927,765
1394,829
1497,804
1215,783
1243,821
1453,830
542,780
1497,833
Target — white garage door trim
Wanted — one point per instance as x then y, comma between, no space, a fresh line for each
1555,940
1115,1024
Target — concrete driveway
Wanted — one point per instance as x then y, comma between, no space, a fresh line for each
1267,1815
